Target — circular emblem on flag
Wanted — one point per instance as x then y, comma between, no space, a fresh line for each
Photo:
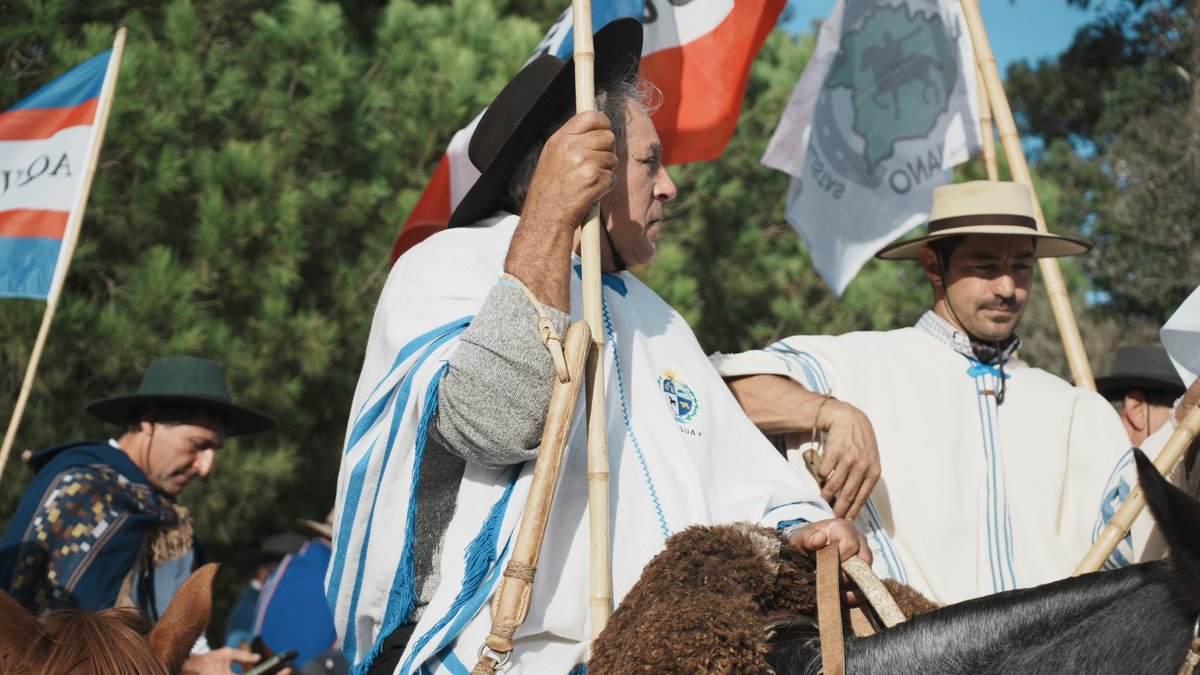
680,397
891,82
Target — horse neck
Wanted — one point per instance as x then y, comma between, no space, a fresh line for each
1070,623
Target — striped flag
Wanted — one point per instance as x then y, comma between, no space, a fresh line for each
45,145
697,52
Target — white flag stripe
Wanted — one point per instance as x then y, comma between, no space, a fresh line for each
43,174
885,108
674,25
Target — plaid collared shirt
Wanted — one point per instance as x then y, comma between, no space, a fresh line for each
944,332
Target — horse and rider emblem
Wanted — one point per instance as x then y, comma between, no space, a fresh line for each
680,397
891,81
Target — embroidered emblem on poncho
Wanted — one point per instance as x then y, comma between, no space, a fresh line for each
680,397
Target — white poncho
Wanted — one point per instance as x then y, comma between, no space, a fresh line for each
682,452
974,498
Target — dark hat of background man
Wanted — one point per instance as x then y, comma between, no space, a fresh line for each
1146,368
528,103
987,207
184,381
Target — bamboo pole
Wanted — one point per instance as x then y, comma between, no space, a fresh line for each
1056,288
987,131
74,222
1123,519
600,599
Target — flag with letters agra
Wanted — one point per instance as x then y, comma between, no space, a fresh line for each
698,53
886,106
45,144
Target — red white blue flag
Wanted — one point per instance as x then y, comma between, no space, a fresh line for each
697,52
45,145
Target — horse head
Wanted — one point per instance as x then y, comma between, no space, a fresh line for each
1178,518
108,642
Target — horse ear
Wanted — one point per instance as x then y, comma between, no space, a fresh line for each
1178,517
21,630
185,619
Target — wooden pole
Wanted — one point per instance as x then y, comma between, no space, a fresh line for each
1123,519
72,238
987,132
601,575
1056,288
511,603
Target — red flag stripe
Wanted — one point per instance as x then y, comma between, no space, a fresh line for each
33,224
32,125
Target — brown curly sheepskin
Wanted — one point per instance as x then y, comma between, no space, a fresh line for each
707,603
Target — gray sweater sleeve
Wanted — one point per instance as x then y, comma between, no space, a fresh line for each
493,400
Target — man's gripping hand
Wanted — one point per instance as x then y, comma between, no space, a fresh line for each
575,169
850,461
833,532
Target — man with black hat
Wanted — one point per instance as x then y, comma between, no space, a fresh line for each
994,475
456,383
1142,386
99,525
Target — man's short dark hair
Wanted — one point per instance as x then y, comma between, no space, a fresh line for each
175,414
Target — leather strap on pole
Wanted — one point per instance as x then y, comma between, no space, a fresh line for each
510,605
829,611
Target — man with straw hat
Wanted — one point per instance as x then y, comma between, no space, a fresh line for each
456,384
99,525
995,475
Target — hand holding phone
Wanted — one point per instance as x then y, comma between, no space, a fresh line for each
274,664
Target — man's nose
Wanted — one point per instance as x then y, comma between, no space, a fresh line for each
1004,285
664,187
204,463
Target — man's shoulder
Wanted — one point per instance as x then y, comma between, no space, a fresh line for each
77,454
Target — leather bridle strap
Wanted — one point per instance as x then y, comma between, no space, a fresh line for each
829,611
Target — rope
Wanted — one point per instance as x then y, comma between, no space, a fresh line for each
546,331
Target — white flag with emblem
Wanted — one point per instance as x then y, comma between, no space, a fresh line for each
884,109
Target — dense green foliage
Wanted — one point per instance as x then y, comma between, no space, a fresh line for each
263,154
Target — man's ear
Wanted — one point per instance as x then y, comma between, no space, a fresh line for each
1135,410
147,417
930,265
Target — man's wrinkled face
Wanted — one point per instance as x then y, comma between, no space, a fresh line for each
633,209
987,283
179,452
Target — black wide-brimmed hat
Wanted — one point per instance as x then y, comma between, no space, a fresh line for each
996,208
1141,367
538,94
189,381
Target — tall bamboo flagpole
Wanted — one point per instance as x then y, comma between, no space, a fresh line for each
987,132
1056,288
104,105
597,441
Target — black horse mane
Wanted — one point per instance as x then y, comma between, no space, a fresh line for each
1134,620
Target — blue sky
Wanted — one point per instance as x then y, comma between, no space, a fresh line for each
1024,29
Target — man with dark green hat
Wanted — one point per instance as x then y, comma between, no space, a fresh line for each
1142,387
98,526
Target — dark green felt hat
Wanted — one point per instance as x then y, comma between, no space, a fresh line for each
184,380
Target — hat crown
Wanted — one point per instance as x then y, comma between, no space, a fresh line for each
981,198
185,376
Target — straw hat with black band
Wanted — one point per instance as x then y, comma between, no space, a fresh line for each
983,207
536,96
184,381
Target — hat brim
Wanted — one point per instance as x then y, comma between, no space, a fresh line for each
239,420
617,47
322,529
1119,384
1048,245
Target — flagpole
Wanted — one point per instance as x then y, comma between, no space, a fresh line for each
597,442
1056,288
986,131
104,105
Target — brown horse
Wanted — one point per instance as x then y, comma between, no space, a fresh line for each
108,642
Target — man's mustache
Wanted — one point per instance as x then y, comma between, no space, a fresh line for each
1010,304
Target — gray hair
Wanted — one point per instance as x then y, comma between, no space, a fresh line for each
615,100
